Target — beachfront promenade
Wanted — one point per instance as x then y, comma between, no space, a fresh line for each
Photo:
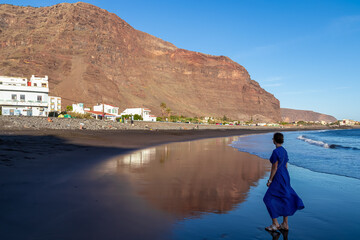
40,123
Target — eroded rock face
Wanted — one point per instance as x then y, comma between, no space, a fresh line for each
91,56
293,115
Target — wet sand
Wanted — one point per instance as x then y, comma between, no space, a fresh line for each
72,185
51,185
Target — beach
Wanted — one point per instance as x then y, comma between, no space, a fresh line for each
74,184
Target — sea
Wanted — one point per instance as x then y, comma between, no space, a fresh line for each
334,152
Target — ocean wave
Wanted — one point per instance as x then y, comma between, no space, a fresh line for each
315,142
324,144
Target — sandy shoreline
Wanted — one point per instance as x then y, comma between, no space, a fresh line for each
139,138
58,184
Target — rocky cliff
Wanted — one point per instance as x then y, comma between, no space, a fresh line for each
91,56
292,115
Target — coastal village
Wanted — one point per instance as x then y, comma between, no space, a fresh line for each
20,96
30,97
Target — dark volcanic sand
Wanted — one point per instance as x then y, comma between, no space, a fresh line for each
51,188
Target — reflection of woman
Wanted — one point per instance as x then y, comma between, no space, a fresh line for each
280,198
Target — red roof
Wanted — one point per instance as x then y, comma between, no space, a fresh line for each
100,113
110,105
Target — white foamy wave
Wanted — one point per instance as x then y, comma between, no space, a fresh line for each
314,142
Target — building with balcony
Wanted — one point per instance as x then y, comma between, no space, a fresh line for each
104,110
107,109
143,112
78,108
54,104
20,96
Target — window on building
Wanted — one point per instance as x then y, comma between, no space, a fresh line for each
22,97
35,84
39,98
43,84
13,96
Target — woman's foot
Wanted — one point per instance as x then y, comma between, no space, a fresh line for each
272,228
284,226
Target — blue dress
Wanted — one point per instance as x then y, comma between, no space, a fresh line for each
280,198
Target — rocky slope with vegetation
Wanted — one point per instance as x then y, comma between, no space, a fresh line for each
293,115
92,56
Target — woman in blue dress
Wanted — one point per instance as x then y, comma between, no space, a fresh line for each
280,198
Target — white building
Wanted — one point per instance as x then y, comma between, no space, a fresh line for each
19,96
78,108
107,110
347,122
54,104
143,112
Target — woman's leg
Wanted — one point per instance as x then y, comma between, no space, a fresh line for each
275,222
285,224
274,226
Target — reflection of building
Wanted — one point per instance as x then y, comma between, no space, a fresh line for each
143,112
54,104
19,96
139,158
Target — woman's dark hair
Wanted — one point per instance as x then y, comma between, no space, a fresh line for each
279,138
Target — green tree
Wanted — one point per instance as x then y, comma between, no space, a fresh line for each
138,117
69,108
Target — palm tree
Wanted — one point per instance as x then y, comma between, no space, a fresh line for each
163,108
168,111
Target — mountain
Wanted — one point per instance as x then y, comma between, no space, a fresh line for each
292,115
92,56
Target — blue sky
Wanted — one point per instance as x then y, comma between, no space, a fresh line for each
306,53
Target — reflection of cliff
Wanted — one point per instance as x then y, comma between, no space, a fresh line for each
193,177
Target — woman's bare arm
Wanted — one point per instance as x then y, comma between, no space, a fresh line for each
273,171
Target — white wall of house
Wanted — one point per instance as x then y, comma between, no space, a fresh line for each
20,97
107,109
78,108
346,122
54,104
13,81
39,81
143,112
